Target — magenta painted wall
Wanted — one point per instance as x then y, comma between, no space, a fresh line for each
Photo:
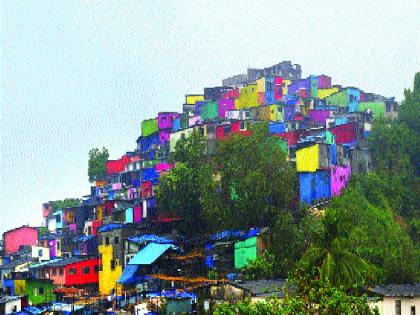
24,235
165,120
319,116
164,136
161,167
324,82
52,244
225,104
340,175
278,88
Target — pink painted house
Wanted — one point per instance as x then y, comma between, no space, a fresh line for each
24,235
340,175
225,104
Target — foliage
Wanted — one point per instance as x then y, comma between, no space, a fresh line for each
179,194
65,203
289,239
409,113
308,295
360,238
180,191
245,185
254,182
97,163
260,268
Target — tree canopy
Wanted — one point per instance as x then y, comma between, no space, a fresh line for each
97,163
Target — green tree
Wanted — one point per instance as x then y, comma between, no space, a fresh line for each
65,203
253,180
179,194
260,268
409,113
97,164
391,145
180,191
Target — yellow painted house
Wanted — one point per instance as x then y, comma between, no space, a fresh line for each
109,273
19,287
286,83
307,159
248,97
323,93
192,99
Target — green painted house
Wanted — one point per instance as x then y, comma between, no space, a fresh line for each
247,250
39,291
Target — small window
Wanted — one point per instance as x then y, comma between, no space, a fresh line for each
96,268
116,240
39,252
112,264
54,271
86,270
107,240
61,271
398,307
41,291
89,230
413,310
58,218
72,271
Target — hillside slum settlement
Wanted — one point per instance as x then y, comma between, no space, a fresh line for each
113,250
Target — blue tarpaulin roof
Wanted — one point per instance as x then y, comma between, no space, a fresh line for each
149,254
139,239
128,275
110,227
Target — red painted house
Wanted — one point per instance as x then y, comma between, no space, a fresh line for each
72,272
24,235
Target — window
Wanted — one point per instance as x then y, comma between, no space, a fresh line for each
72,271
41,291
40,252
398,307
61,271
58,218
58,245
116,240
96,268
86,270
112,264
107,240
413,310
54,271
89,230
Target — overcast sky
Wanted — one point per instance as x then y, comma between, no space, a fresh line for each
82,74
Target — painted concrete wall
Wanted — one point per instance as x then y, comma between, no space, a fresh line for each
42,253
107,276
324,92
340,175
387,306
307,159
24,235
225,104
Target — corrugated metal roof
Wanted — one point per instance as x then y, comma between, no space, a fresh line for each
149,254
150,238
128,275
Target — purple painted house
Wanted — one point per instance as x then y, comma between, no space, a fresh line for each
165,120
225,104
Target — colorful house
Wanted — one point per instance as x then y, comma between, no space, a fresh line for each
24,235
39,291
